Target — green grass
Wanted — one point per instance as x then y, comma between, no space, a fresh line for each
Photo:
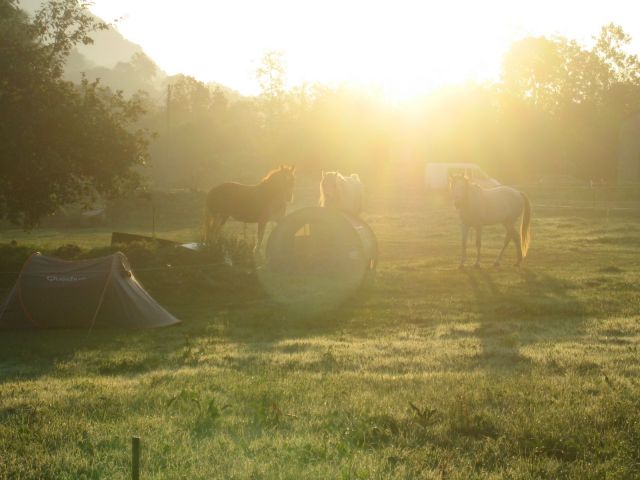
430,372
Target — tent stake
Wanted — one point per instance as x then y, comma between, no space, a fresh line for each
135,458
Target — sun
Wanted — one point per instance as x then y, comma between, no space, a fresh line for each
402,50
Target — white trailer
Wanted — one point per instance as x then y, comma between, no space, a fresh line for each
436,175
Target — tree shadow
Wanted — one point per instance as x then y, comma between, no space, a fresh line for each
510,314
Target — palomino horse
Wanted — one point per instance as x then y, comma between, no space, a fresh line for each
479,206
345,193
249,203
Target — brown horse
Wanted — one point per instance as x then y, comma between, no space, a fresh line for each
249,203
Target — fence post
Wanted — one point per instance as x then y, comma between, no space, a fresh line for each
135,458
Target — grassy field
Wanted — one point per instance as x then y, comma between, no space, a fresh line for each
430,372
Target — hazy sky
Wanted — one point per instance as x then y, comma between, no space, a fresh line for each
402,46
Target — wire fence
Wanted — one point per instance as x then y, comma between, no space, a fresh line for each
605,199
593,197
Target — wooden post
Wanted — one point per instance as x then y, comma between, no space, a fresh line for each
168,123
153,219
135,458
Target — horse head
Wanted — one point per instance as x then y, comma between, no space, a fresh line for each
330,188
281,182
459,187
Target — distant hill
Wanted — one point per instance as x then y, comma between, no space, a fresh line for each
109,46
118,63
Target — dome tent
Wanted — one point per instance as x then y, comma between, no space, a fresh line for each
94,293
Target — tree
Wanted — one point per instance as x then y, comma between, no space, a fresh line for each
59,142
189,97
271,76
573,99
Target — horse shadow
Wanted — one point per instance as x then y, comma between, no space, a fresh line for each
513,315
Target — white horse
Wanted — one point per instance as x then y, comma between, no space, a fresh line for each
479,206
345,193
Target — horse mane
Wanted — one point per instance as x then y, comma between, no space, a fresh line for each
276,171
336,175
348,191
469,181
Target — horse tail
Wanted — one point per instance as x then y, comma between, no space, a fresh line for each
525,228
208,218
322,201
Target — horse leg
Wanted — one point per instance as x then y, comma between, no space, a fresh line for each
206,225
507,239
478,244
210,226
214,226
222,220
261,227
465,234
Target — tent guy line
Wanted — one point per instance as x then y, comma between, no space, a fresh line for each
147,269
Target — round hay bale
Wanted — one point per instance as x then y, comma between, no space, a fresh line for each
317,257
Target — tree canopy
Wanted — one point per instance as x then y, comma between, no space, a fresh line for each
60,142
557,109
573,98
